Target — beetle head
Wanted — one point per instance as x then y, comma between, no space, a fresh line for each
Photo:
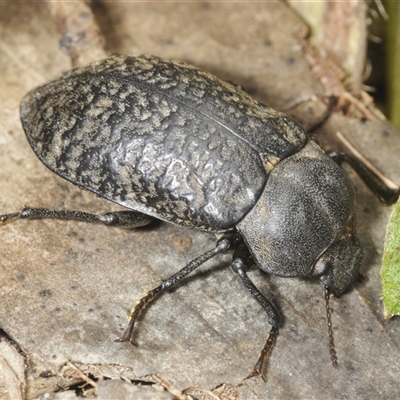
340,264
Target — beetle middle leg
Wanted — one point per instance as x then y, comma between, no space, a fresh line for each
127,219
226,243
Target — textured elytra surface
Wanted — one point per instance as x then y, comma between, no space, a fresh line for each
159,137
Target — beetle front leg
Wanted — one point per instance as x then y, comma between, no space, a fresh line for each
127,219
240,264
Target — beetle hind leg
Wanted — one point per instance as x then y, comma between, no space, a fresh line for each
127,219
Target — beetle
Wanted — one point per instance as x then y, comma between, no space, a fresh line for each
169,141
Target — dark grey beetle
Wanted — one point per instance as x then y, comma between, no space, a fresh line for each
170,141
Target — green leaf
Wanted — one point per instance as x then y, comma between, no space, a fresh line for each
393,61
391,266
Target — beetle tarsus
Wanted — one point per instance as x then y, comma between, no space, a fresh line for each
137,310
260,367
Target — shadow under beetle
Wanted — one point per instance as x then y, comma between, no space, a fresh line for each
167,140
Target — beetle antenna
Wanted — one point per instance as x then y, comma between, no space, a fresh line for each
332,350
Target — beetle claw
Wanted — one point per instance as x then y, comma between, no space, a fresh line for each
6,218
125,339
255,373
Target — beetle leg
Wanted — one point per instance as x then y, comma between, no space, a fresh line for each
241,268
226,243
128,219
384,193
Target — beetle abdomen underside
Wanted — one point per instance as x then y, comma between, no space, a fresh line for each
159,137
